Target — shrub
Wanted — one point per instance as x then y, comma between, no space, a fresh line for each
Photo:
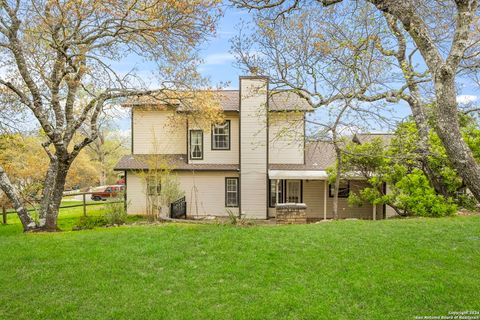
410,194
115,213
90,222
467,201
237,219
418,198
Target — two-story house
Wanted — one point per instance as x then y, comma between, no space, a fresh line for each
257,158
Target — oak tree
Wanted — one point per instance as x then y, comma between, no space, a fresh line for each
445,34
60,61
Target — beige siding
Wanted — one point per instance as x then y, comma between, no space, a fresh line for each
204,193
221,156
136,200
286,136
347,211
205,196
253,147
313,197
155,132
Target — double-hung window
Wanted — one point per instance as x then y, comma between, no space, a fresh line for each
276,192
285,191
154,186
343,189
231,192
221,136
294,193
196,144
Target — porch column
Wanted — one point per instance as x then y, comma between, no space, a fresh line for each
325,200
276,191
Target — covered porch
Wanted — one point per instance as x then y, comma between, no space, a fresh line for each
311,187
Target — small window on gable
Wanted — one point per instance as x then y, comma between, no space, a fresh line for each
343,189
196,144
221,136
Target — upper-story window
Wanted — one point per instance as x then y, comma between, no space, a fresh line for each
196,144
221,136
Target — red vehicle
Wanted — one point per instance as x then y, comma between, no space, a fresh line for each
104,192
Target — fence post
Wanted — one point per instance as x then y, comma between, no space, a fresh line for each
84,206
4,214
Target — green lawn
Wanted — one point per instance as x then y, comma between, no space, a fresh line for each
395,269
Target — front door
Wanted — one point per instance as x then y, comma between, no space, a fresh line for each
293,191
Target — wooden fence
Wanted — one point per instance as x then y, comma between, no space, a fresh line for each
83,204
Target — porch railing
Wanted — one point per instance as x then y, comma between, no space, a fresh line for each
178,209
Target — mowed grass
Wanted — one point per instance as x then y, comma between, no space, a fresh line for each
68,217
395,269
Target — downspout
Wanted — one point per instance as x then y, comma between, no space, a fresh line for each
125,199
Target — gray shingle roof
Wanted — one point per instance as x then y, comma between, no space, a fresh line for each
174,161
229,100
319,155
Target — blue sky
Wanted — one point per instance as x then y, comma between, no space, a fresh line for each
218,61
219,67
215,52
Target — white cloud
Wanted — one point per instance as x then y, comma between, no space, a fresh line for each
466,98
218,59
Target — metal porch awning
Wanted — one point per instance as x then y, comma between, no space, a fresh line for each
298,174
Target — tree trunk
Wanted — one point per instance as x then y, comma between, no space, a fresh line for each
51,197
12,193
436,180
417,105
421,121
103,176
103,170
448,129
48,187
337,180
57,195
53,192
443,71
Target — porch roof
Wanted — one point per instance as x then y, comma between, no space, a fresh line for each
298,174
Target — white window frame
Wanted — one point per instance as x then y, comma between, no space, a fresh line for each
193,144
230,191
154,186
276,192
289,191
226,127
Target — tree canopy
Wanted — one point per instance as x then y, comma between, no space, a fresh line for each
58,58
